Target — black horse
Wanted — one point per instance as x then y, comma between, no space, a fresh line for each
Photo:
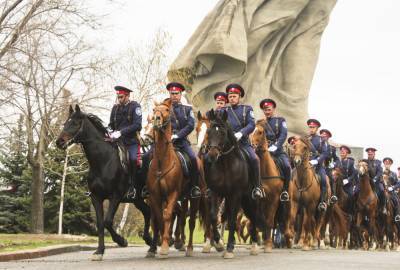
107,180
227,175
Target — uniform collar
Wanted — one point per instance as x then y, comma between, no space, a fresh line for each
177,104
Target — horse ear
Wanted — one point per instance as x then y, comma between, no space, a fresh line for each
77,109
199,116
71,110
212,114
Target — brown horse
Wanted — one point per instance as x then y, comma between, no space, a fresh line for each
366,207
272,181
305,195
166,183
385,221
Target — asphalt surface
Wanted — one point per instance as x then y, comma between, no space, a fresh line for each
282,259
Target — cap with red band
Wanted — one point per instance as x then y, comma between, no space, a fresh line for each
267,102
220,96
313,123
121,90
234,88
327,132
175,87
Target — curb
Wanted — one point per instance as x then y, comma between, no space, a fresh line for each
42,252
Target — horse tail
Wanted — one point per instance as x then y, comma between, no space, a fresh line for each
340,220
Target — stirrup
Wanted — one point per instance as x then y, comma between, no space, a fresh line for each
131,194
145,193
256,193
322,206
195,192
284,197
88,193
333,199
397,218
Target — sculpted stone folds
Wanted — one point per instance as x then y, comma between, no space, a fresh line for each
270,47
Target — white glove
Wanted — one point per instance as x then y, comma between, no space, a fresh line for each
345,181
272,148
331,165
313,162
238,135
390,188
174,137
109,130
115,134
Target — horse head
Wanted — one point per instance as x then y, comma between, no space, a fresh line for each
203,123
258,138
162,115
301,150
72,128
363,167
220,136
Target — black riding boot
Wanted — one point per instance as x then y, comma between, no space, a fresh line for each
146,158
322,205
257,192
334,198
131,194
284,197
195,191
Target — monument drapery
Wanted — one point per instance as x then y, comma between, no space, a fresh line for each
270,47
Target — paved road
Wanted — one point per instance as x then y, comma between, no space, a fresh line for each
133,258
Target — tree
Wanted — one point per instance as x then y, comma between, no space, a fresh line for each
47,56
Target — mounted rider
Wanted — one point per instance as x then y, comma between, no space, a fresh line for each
125,122
319,154
393,186
221,99
276,133
330,161
346,164
241,119
182,122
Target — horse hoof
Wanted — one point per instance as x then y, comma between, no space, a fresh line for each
219,246
164,251
228,255
123,243
206,249
96,257
267,249
189,253
254,250
306,248
150,254
387,248
179,245
373,247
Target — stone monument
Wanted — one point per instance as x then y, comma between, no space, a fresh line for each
270,47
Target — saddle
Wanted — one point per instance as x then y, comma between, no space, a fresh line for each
123,156
184,160
279,164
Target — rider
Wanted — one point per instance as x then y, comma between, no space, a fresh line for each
319,155
375,166
394,184
126,121
241,119
221,99
346,164
182,122
330,161
276,133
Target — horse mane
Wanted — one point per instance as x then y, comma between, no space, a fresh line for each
306,141
167,102
219,121
261,122
97,123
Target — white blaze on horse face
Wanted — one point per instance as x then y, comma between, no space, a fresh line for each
202,134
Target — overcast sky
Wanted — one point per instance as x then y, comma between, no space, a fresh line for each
356,85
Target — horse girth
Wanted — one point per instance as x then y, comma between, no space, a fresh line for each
314,178
160,174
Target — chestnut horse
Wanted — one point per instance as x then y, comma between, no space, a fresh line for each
166,183
305,195
366,207
272,181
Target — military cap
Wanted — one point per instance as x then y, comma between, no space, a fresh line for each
175,87
235,88
267,102
313,123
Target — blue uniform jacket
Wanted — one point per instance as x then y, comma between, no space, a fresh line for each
276,132
241,118
127,125
376,167
182,121
319,149
348,169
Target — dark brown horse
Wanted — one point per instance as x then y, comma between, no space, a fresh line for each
366,207
166,183
272,181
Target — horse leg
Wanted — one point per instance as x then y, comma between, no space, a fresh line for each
373,230
194,208
250,209
98,207
289,224
218,243
180,227
167,218
232,214
270,218
145,209
108,222
157,219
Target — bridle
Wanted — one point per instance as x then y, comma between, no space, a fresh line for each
221,149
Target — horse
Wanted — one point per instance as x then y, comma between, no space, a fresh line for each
272,181
228,176
107,179
166,183
305,195
366,207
